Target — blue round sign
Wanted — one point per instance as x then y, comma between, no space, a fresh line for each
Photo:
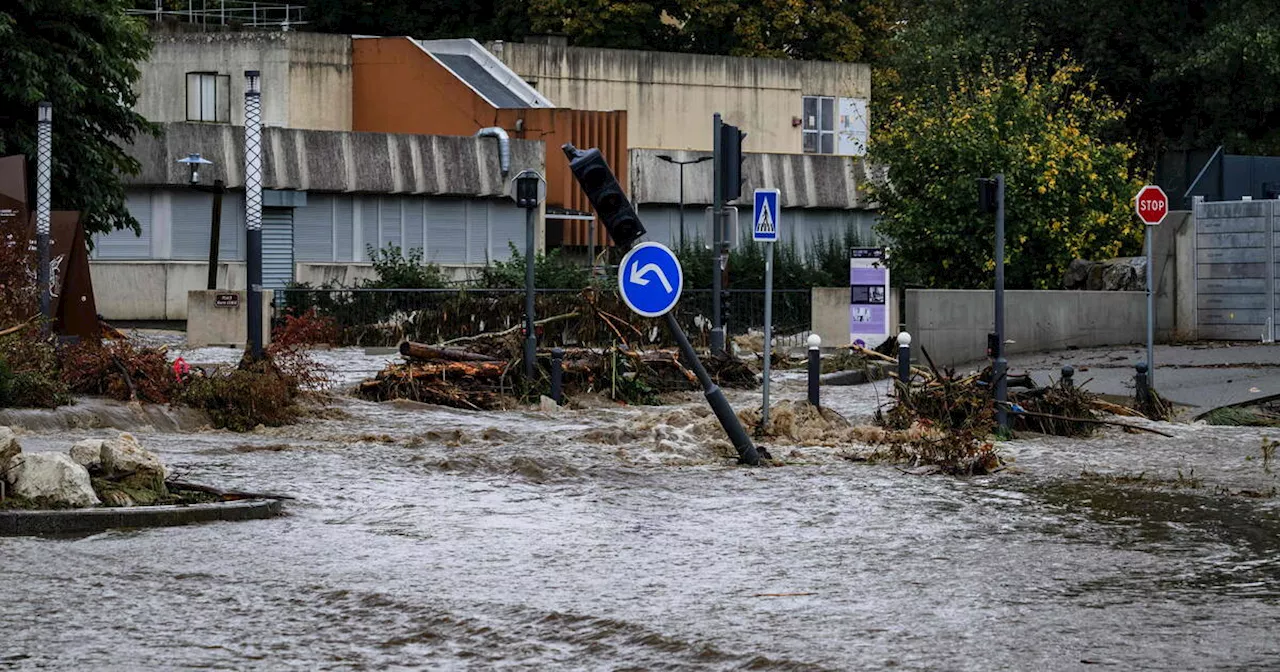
650,279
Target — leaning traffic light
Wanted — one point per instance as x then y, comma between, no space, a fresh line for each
606,196
731,161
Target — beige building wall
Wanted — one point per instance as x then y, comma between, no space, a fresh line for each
306,77
669,98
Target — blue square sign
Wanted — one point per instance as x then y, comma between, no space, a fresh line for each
766,216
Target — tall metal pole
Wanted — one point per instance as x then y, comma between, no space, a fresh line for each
717,210
682,206
1151,315
215,232
530,340
44,159
253,204
1001,364
768,329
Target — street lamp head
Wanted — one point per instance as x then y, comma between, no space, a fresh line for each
194,161
252,82
45,112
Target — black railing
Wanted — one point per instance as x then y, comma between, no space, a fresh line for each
374,317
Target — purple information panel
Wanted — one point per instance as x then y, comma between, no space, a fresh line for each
868,297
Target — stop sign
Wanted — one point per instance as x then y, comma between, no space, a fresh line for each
1152,204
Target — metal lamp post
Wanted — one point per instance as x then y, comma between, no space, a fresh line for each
253,205
682,164
194,161
44,159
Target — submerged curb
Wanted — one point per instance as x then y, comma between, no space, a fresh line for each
97,520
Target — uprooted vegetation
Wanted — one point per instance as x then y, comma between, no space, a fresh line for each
37,373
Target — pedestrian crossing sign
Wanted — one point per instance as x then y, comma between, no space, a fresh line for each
766,216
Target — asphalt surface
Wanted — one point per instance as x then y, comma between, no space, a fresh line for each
1199,377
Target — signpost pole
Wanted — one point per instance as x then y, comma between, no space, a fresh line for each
530,340
747,452
717,234
1151,320
768,328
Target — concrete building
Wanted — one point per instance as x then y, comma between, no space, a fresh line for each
333,194
806,122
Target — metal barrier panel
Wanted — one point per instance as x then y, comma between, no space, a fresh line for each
1235,254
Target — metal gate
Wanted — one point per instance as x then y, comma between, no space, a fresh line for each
1236,269
277,247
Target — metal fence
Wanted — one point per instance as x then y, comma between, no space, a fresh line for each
374,317
240,13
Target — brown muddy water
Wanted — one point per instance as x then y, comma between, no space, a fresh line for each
611,538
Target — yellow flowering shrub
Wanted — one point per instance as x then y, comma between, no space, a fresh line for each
1068,187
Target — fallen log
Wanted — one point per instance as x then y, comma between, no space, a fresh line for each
430,352
224,495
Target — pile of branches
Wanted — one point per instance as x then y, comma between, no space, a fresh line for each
966,405
487,374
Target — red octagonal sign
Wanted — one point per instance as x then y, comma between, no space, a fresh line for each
1152,205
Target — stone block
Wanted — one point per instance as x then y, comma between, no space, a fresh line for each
53,477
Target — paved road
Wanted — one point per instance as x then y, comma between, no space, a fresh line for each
1200,376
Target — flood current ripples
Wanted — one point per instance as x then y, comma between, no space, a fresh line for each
609,538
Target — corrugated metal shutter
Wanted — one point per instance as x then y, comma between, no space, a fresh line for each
369,214
413,224
189,224
506,225
277,247
124,244
446,231
389,219
313,230
231,239
477,232
344,227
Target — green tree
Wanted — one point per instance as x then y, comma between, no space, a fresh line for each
82,56
423,19
1068,188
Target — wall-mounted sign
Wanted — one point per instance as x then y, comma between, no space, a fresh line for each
226,300
868,297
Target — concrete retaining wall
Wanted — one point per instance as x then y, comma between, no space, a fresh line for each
154,290
210,324
953,324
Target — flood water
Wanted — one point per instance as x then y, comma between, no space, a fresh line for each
612,538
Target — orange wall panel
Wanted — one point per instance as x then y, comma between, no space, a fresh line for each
399,88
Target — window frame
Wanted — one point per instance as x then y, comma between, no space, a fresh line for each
197,81
817,137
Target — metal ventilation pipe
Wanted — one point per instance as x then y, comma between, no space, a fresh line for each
504,146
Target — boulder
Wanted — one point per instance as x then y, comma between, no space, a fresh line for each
88,453
122,455
8,447
52,478
1077,275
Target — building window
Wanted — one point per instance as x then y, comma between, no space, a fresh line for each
819,125
208,97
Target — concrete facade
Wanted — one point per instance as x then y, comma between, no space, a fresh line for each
306,77
154,291
805,180
210,324
379,163
670,97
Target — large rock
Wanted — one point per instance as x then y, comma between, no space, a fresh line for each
52,478
88,453
122,461
1077,275
9,447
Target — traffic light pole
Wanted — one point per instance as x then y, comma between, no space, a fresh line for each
717,233
747,453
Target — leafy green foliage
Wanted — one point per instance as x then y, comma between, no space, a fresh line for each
550,271
241,399
1068,188
81,56
29,369
397,270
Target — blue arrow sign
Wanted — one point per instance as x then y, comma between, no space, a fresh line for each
764,224
650,279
